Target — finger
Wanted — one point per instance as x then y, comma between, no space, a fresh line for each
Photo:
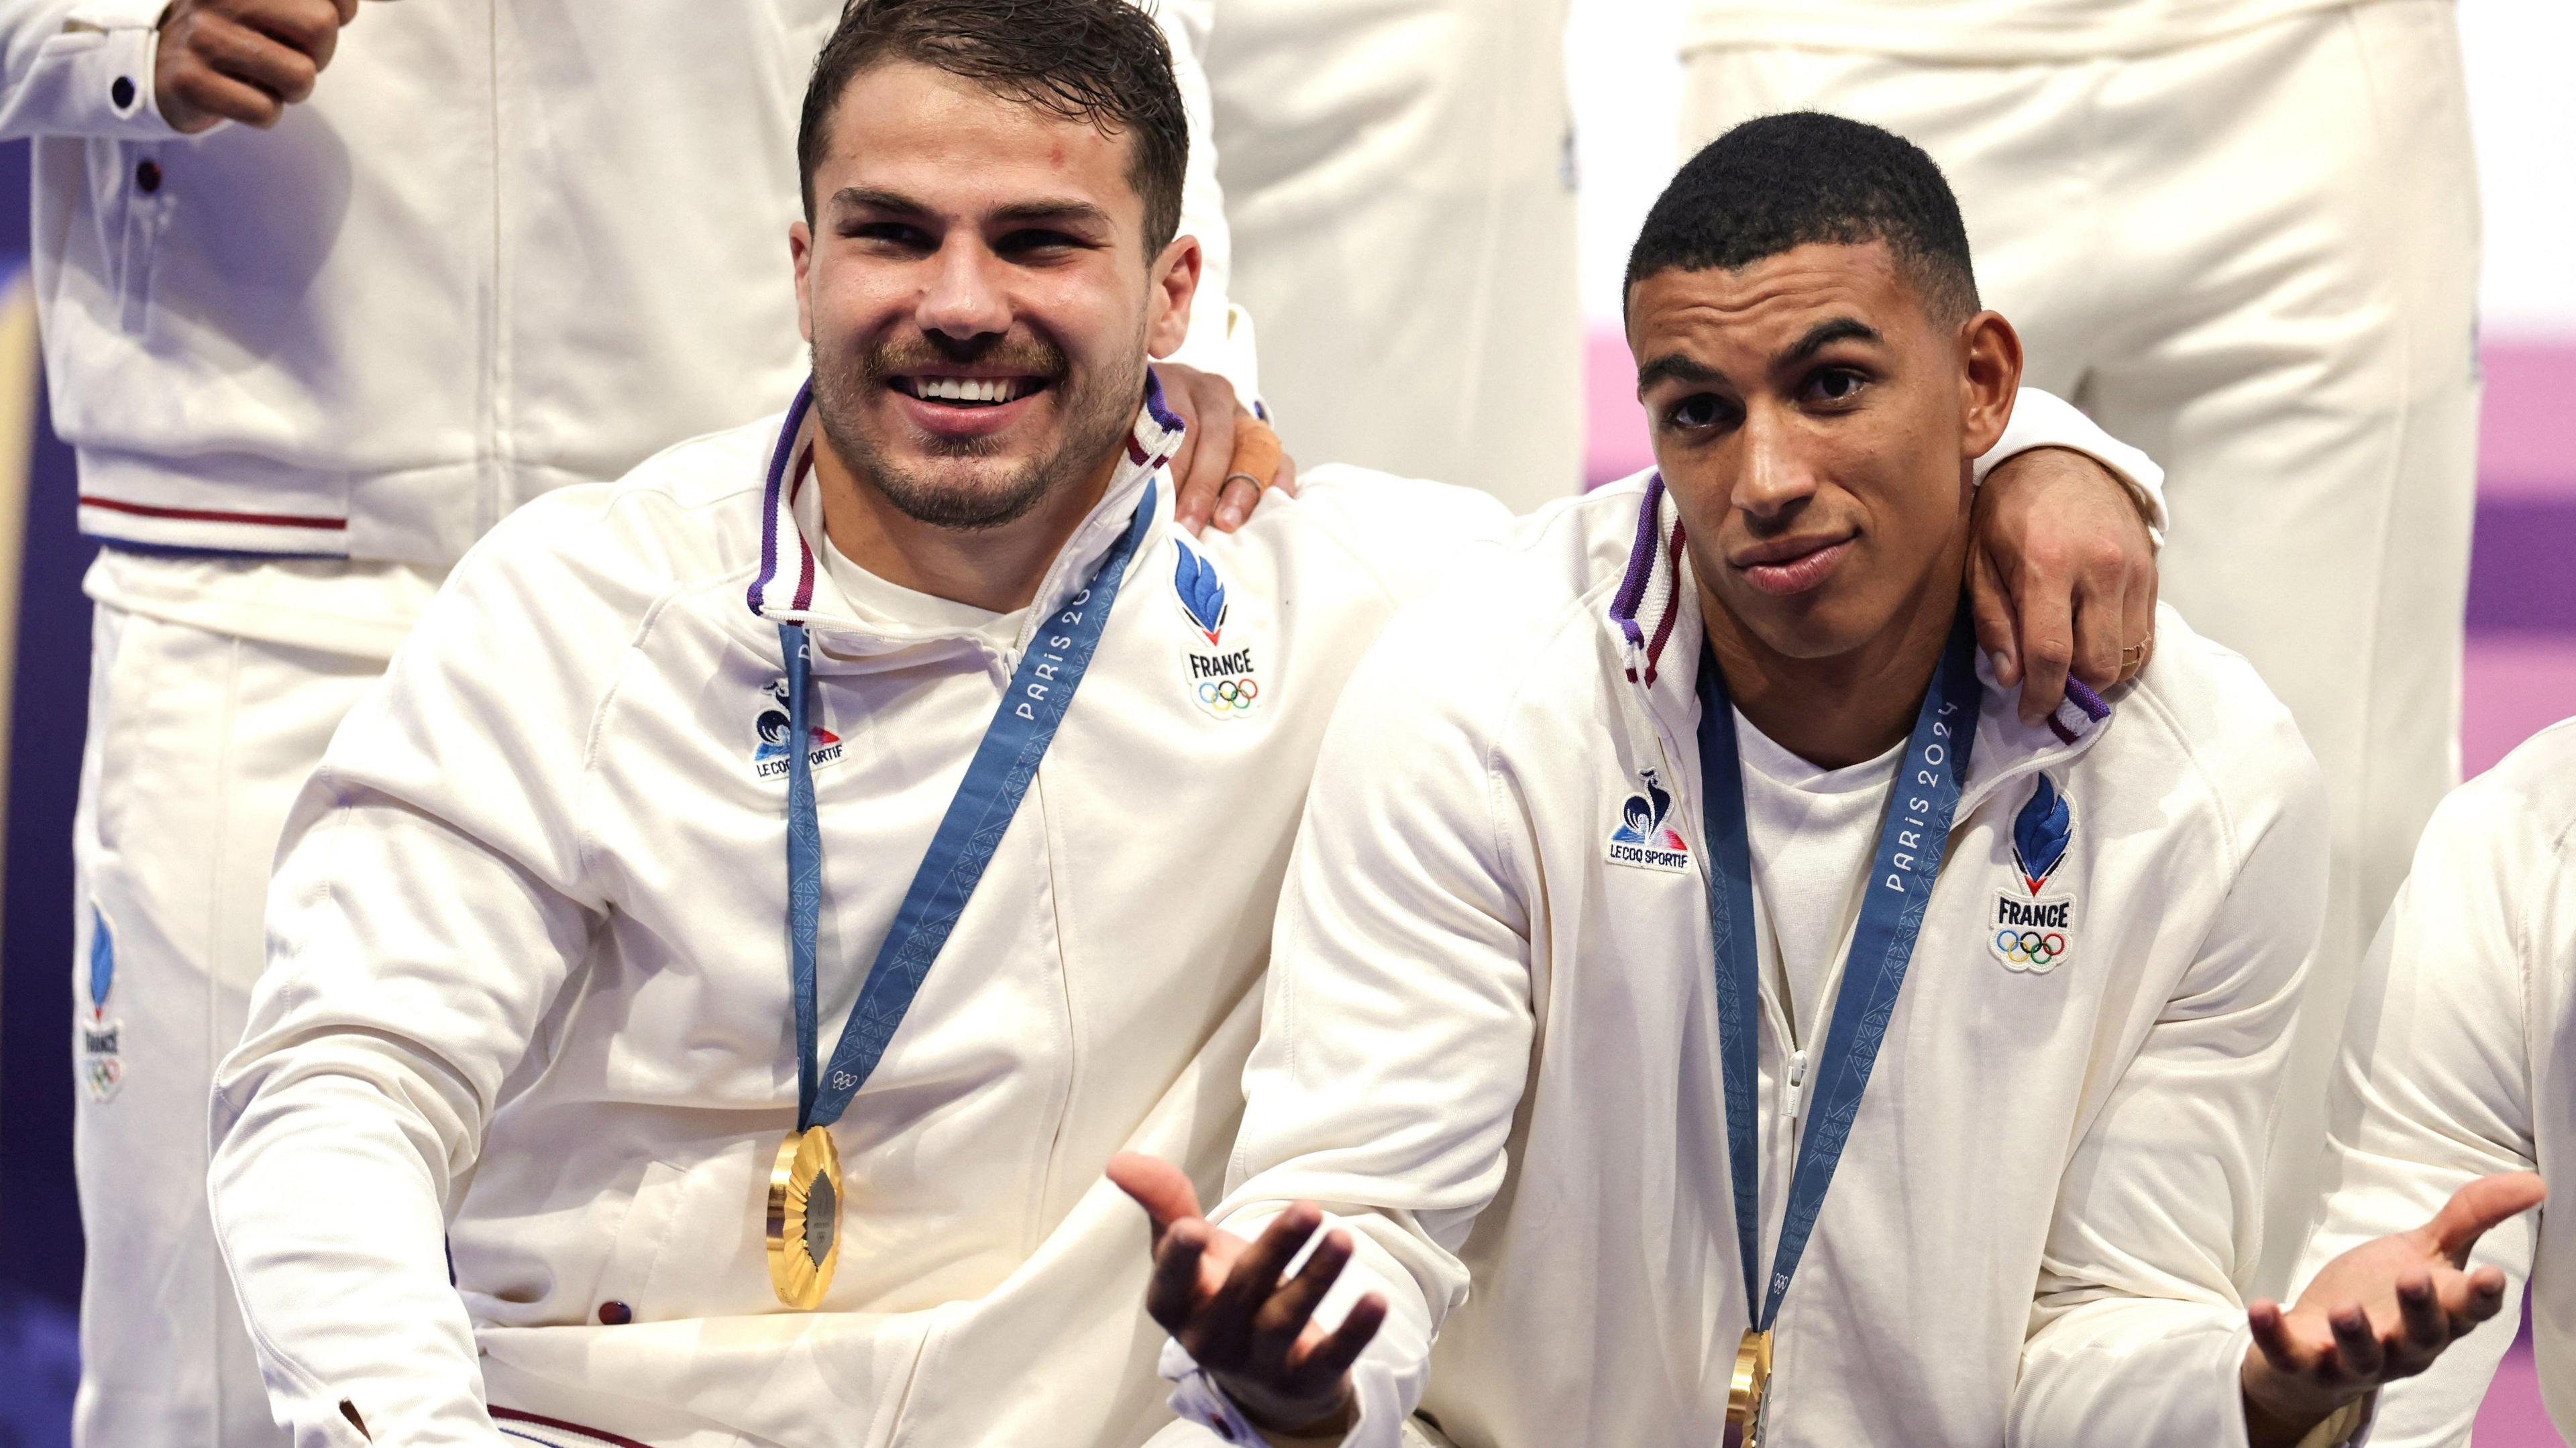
1162,1189
1326,1361
1990,607
1282,1320
1257,1272
2473,1299
309,26
1200,477
2425,1326
2272,1337
2479,1207
2101,630
255,59
2045,638
348,10
1234,505
208,97
1172,1293
2138,605
2357,1351
1284,479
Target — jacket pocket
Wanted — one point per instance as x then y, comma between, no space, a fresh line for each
642,1233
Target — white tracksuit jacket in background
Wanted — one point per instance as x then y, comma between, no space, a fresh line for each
1493,1054
529,989
2457,1063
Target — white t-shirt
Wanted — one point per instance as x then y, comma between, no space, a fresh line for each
1811,831
893,607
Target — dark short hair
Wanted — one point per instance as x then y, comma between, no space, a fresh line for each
1101,62
1785,181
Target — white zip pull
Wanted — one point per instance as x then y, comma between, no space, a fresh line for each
1796,1095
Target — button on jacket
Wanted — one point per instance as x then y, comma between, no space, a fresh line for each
529,983
1490,1043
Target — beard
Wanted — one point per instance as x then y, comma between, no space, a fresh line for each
972,484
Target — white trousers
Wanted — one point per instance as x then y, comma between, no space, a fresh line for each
2256,258
1399,189
198,742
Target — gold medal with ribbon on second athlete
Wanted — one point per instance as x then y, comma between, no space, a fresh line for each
805,1218
1749,1391
805,1188
1899,886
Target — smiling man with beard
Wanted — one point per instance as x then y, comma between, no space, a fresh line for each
707,930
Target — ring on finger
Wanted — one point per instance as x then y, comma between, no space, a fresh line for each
1247,477
2135,655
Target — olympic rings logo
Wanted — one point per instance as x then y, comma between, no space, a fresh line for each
1229,695
2030,947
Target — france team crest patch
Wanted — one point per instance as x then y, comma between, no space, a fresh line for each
1217,664
102,1038
2032,928
1643,837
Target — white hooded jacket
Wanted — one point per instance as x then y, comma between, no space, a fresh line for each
503,247
529,988
1491,1050
2457,1063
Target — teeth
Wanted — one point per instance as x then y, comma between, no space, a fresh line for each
966,389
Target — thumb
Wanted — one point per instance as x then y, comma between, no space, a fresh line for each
2479,1207
1162,1189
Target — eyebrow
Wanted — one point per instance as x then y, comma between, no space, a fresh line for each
1825,334
1676,367
1067,210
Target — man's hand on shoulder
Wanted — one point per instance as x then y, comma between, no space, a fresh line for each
2061,576
2380,1312
1227,454
1222,1299
242,60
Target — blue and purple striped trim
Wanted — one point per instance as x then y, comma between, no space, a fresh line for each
1641,564
775,500
2088,707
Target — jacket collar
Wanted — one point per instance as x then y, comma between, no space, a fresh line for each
791,586
1653,618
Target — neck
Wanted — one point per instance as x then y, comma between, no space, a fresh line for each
997,568
1841,710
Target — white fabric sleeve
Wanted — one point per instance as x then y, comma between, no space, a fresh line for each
1220,336
2137,1330
2434,1088
429,903
80,68
2043,419
1394,973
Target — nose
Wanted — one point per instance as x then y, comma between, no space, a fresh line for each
964,298
1777,475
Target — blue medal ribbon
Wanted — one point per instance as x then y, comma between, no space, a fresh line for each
1912,838
1005,764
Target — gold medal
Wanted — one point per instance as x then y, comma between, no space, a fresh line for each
1749,1391
805,1218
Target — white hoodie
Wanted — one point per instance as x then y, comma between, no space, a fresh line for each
503,247
2457,1064
1491,1050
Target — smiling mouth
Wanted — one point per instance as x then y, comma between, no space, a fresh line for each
968,392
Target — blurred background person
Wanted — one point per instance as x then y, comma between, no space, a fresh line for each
2243,234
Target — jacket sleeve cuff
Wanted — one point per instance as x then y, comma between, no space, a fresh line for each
1378,1423
2042,419
94,77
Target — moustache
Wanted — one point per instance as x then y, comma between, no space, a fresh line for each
1032,355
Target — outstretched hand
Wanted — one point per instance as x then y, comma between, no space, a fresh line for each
2061,576
1222,1299
2380,1312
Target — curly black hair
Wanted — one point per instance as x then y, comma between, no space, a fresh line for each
1784,181
1101,62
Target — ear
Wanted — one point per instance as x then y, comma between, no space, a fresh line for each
1989,379
1175,280
800,250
